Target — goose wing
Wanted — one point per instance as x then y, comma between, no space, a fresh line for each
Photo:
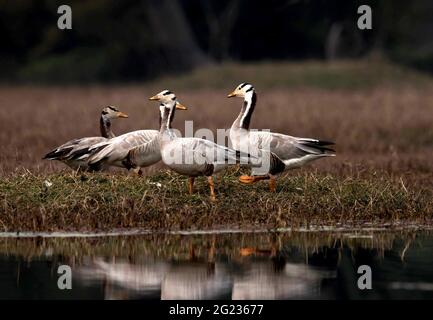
288,147
74,148
117,149
145,154
205,151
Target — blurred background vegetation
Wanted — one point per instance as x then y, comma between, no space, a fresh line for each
130,40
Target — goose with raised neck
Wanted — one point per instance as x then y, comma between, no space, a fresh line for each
190,156
284,152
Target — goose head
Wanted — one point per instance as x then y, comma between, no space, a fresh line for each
168,99
242,90
111,112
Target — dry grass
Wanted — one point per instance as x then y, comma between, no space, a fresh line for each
382,126
105,202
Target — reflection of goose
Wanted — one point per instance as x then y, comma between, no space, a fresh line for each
197,278
194,281
293,281
140,278
71,151
184,280
257,274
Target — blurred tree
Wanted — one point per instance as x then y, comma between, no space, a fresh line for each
139,40
172,34
220,25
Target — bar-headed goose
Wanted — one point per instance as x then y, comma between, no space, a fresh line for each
131,150
286,152
190,156
71,151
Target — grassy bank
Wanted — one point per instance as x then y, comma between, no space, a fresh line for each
103,202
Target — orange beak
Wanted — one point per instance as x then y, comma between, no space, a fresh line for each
122,115
233,94
180,106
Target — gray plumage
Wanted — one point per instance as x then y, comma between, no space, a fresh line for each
75,153
286,152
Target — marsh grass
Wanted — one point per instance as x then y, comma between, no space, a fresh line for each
160,202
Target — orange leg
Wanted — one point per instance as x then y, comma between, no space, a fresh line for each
136,170
191,184
218,179
272,184
212,189
252,179
191,252
211,252
247,251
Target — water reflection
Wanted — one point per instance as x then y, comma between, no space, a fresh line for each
242,266
263,281
122,280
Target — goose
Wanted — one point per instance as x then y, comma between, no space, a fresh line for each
71,151
191,156
285,152
132,150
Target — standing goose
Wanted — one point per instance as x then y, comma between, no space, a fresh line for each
131,150
70,152
286,152
191,157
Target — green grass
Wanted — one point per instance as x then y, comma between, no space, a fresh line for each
96,202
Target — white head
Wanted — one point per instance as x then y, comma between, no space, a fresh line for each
167,107
243,90
111,112
168,99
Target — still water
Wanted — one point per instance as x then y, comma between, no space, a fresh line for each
295,265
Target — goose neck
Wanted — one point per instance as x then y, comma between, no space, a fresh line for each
166,116
105,127
244,118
